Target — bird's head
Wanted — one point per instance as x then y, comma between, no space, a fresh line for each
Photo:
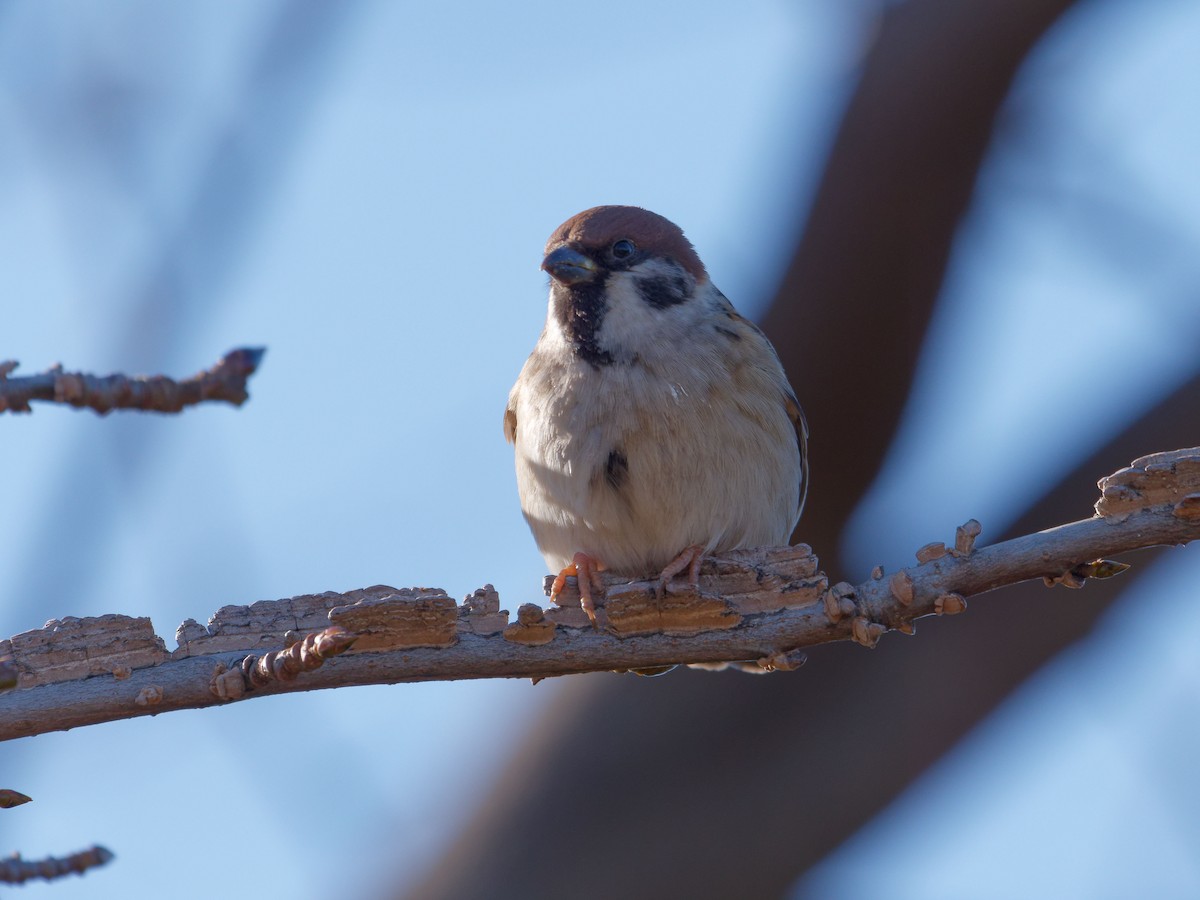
622,281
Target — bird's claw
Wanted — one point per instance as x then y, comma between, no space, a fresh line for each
689,559
587,573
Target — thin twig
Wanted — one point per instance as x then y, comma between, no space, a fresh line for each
225,381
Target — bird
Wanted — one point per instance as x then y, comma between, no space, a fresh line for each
652,424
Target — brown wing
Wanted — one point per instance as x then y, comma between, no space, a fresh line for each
796,414
790,404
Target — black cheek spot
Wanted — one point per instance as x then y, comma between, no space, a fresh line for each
732,335
616,470
662,291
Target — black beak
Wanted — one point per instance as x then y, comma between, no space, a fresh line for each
568,266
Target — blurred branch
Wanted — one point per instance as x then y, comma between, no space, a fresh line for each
14,870
869,266
758,605
226,381
862,282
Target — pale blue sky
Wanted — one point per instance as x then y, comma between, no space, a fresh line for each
372,210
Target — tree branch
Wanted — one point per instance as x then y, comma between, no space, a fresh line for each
226,381
760,605
14,870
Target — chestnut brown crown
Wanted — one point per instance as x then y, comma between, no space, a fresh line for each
601,226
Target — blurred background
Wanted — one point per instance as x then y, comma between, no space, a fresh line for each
971,229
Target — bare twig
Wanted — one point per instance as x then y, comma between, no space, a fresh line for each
15,870
753,605
226,381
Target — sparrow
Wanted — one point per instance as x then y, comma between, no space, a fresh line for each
652,424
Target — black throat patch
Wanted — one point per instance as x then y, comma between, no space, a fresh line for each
580,311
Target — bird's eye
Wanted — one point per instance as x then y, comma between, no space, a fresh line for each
623,249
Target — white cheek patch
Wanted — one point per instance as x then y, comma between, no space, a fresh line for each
631,324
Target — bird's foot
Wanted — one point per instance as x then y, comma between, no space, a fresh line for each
586,570
689,559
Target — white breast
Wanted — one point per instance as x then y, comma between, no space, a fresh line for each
711,454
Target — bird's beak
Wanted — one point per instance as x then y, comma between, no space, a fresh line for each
568,266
